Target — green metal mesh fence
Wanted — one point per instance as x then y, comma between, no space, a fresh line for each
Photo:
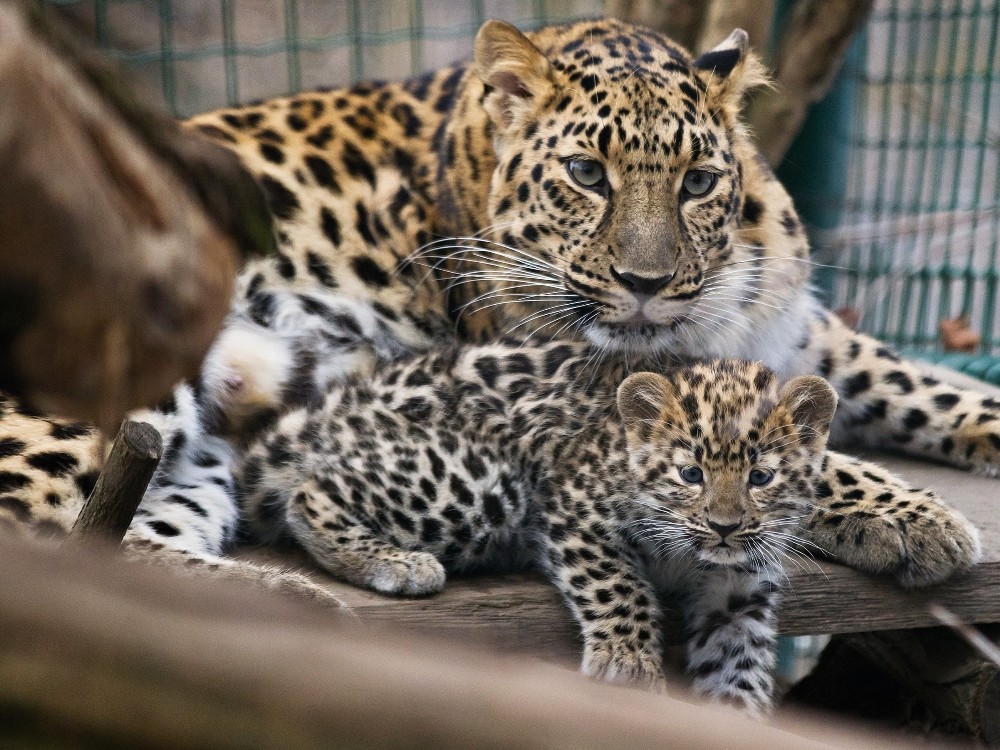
916,238
203,54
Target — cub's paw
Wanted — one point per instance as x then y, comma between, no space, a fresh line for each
625,663
406,573
938,545
911,535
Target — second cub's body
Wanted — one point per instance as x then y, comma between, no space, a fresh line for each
504,456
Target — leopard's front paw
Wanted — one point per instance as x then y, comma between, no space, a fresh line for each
406,573
976,445
625,663
938,546
911,536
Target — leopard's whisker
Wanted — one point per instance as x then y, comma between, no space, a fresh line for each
544,313
490,267
483,245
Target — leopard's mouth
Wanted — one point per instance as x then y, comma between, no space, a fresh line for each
640,324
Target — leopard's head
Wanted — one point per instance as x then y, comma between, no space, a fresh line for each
724,459
619,174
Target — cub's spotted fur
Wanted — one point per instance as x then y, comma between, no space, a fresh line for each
584,182
500,455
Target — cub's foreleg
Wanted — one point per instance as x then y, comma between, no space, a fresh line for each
602,581
730,620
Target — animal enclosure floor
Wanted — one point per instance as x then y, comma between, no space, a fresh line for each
523,613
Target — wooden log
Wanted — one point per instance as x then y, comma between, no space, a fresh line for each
929,673
809,55
108,511
119,255
127,656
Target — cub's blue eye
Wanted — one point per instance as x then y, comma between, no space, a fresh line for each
692,475
587,173
761,477
698,182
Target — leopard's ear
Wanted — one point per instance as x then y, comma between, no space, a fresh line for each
812,402
642,400
729,69
518,75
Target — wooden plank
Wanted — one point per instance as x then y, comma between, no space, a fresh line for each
109,654
523,613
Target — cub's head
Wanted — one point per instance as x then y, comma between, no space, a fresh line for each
724,459
618,184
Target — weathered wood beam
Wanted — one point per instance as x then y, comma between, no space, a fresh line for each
125,656
523,612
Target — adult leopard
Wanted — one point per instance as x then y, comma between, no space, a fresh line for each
589,181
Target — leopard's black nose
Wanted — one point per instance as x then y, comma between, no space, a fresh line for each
641,284
723,530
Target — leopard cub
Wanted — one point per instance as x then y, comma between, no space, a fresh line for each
610,484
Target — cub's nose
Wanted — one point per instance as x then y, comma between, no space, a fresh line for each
641,284
723,530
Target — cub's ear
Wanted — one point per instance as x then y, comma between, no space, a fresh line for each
812,403
642,399
512,66
730,68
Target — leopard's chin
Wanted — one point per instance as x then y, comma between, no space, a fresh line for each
724,556
635,337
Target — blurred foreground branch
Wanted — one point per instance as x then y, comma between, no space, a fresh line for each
120,231
122,655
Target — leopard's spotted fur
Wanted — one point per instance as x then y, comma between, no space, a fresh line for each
502,455
366,184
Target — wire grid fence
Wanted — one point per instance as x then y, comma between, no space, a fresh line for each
204,54
916,240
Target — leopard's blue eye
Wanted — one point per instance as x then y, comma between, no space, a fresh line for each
692,475
761,477
587,173
698,182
